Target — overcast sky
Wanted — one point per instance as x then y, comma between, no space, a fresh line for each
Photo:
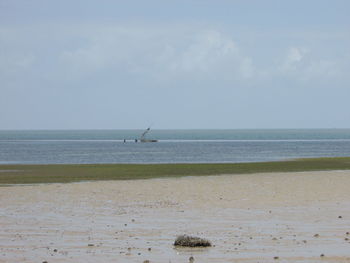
174,64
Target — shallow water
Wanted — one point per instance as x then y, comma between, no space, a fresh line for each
174,146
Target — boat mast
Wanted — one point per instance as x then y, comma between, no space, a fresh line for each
144,133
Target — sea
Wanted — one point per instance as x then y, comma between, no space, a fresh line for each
173,146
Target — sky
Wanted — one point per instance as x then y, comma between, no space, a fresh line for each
185,64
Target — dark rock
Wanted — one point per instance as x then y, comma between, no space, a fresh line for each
189,241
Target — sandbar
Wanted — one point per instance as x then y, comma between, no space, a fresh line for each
265,217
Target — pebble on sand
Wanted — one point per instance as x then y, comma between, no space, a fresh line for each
190,241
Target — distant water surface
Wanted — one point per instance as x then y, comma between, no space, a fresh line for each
174,146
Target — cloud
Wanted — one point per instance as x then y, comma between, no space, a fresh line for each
301,64
156,53
203,51
161,53
295,55
151,52
322,68
294,59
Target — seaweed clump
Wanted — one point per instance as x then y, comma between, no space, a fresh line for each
189,241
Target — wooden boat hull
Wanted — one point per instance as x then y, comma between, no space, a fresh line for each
146,140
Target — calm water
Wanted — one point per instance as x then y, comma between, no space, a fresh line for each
174,146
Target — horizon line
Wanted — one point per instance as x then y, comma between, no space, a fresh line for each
162,129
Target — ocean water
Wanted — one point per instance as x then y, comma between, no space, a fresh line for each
174,146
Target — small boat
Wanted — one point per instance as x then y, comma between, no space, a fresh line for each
143,136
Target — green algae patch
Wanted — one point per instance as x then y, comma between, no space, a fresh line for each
66,173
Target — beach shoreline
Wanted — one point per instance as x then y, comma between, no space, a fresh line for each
295,216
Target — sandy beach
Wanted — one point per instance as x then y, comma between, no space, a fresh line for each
272,217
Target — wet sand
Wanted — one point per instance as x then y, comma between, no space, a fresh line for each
296,217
